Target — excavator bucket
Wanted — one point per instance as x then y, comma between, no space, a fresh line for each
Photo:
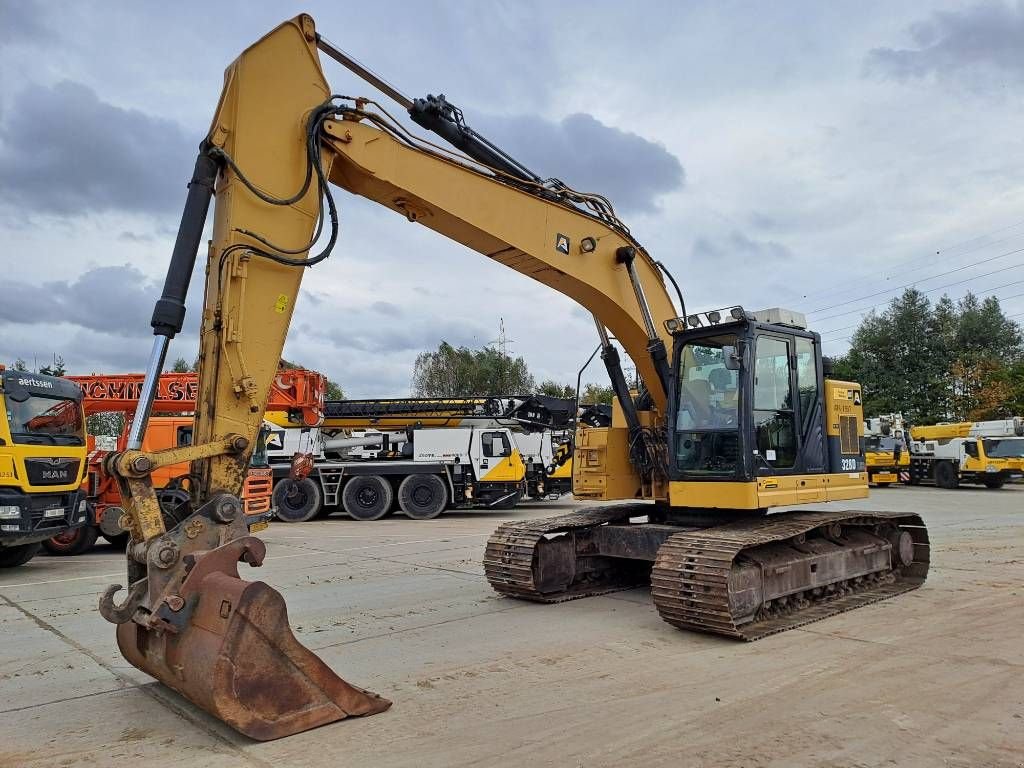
225,644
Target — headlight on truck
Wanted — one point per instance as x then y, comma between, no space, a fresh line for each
991,468
10,512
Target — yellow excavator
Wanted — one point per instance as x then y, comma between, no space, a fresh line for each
735,415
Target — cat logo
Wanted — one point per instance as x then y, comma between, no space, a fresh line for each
562,244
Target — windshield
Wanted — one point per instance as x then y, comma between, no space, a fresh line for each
45,421
1004,448
707,421
879,444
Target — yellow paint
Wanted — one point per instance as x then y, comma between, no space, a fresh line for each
281,304
601,467
767,492
507,469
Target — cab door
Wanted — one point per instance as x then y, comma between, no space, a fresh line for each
495,457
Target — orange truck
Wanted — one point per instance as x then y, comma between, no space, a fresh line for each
297,391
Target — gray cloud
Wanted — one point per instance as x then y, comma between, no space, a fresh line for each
971,43
111,300
402,334
20,21
591,157
65,151
740,250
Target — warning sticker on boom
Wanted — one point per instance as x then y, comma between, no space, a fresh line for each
562,244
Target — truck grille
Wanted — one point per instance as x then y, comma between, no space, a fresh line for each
56,471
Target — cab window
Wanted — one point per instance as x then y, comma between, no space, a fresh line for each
495,444
707,417
806,380
774,419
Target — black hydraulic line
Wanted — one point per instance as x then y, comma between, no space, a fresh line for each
169,313
436,114
613,364
655,346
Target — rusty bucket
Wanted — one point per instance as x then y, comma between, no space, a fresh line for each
235,656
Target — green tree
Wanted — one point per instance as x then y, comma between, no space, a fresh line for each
181,366
984,345
952,361
460,372
596,393
57,369
552,388
900,359
19,365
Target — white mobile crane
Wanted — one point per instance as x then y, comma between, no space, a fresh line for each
423,455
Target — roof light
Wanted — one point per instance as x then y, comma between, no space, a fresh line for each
588,244
714,317
693,321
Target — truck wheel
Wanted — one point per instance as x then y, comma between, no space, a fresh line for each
367,497
423,497
297,501
73,542
11,557
946,475
994,482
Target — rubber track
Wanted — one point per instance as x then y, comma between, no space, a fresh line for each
508,558
690,577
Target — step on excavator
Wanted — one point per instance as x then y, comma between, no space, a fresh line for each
735,416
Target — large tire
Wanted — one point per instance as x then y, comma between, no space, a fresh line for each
367,497
12,557
994,482
946,475
297,501
73,542
423,497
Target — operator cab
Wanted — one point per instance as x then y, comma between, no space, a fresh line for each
747,398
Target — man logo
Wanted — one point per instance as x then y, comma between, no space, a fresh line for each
562,244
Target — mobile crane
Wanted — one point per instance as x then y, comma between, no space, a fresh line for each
425,454
736,415
42,462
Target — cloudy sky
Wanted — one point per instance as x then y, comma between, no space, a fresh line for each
817,156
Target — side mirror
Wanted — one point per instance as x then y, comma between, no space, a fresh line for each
732,357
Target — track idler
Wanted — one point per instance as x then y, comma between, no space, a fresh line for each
222,642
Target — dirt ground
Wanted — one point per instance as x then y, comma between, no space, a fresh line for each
932,678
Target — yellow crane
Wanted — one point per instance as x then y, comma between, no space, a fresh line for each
736,415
